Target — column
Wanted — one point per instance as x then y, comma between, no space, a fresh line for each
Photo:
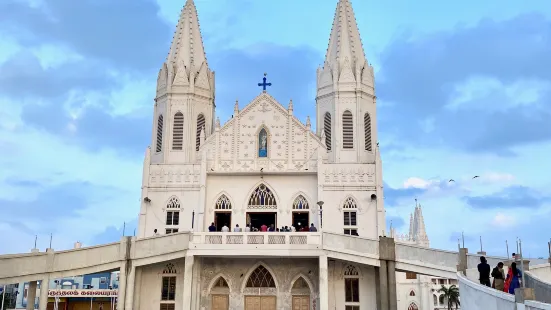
462,266
129,295
121,298
323,283
393,299
31,295
188,282
43,299
383,285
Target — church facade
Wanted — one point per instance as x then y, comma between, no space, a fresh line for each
263,167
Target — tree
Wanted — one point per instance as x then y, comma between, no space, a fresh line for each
451,294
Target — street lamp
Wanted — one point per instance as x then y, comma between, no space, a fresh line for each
320,204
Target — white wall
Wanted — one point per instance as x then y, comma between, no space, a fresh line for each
476,297
368,298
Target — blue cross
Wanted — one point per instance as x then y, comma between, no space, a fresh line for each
264,84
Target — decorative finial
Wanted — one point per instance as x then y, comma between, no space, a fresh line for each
291,105
217,122
308,124
236,106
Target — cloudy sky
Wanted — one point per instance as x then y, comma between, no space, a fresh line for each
464,89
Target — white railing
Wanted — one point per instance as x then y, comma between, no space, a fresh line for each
265,238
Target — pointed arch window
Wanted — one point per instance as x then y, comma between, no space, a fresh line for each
178,131
223,203
300,203
300,284
327,130
347,130
159,145
200,127
262,198
413,306
351,287
221,283
412,293
261,277
263,143
350,217
367,132
172,215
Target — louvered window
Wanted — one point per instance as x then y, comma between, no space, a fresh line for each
347,130
159,146
327,130
367,131
200,126
178,133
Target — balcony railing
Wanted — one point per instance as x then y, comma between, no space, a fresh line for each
257,238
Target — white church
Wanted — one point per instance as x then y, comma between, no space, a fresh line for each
264,168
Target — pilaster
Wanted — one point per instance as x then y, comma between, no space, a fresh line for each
43,299
188,282
462,262
383,285
323,283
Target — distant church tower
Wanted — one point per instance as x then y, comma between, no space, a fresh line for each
345,100
184,104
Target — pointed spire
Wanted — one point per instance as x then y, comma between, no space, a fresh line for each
308,123
410,226
187,44
345,41
217,123
290,105
236,107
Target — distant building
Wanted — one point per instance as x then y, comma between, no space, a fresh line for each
93,283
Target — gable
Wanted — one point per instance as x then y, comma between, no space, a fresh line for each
287,138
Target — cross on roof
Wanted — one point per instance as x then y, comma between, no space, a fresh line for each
264,84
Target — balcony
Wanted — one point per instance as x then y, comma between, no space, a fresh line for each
248,243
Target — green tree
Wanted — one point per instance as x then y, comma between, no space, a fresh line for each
451,294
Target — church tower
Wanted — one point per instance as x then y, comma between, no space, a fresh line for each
345,100
184,104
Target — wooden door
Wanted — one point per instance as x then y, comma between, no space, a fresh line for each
220,302
260,303
267,303
301,302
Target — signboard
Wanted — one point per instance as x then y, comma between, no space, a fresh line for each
83,293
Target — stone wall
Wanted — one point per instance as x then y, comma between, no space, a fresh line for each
542,289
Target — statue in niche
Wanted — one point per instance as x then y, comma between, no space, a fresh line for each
263,143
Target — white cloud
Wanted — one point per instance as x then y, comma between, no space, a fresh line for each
504,221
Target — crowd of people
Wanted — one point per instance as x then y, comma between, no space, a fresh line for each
500,282
264,227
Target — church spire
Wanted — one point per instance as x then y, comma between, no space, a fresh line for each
344,41
187,44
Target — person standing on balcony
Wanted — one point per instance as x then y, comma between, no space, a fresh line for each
484,271
225,228
313,228
499,277
212,228
248,228
237,228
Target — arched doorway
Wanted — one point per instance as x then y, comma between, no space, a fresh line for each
413,306
260,283
220,294
300,293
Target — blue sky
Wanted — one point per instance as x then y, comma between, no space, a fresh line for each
463,89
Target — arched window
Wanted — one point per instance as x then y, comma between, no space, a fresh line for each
367,132
327,130
169,269
262,198
173,203
413,306
350,217
300,203
300,283
351,286
220,283
412,293
159,146
263,143
223,203
261,277
200,126
435,300
178,131
347,130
